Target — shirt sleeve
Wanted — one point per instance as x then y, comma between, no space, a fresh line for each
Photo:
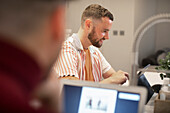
67,62
105,65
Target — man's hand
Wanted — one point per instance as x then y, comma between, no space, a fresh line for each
119,77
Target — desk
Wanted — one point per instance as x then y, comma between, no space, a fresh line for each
149,107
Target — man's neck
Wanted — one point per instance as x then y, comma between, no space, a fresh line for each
83,36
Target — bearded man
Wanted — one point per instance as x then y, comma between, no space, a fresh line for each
80,58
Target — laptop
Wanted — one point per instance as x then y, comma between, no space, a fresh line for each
143,82
91,97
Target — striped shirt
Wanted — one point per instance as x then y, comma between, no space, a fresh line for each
72,60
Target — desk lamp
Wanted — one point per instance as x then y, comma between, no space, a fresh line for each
160,18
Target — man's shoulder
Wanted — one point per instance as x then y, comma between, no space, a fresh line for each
68,42
73,42
68,45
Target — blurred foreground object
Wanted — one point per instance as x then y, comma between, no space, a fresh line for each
31,34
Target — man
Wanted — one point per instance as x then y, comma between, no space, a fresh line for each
31,34
80,59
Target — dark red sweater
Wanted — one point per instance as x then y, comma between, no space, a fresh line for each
19,75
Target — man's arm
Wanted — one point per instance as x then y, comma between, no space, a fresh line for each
66,65
113,77
109,73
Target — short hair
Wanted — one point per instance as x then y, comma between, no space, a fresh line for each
21,17
95,11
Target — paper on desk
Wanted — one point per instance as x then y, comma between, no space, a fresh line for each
153,78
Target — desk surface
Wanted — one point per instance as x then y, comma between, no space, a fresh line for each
149,107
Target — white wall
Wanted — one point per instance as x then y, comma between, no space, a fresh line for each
117,49
163,29
143,10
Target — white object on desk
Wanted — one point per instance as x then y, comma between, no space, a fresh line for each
126,83
153,78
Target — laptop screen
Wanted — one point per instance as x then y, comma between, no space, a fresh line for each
83,99
142,81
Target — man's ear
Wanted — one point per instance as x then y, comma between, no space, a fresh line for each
88,25
58,23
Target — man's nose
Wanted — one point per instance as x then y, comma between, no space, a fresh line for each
106,36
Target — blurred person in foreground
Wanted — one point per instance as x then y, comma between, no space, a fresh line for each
31,34
80,58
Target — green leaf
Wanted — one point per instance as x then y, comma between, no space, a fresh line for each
164,65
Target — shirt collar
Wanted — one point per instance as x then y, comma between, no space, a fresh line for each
76,42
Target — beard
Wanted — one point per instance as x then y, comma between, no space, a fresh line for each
94,42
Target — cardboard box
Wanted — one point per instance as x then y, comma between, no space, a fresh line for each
161,106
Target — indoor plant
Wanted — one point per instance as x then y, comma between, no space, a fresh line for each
164,65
